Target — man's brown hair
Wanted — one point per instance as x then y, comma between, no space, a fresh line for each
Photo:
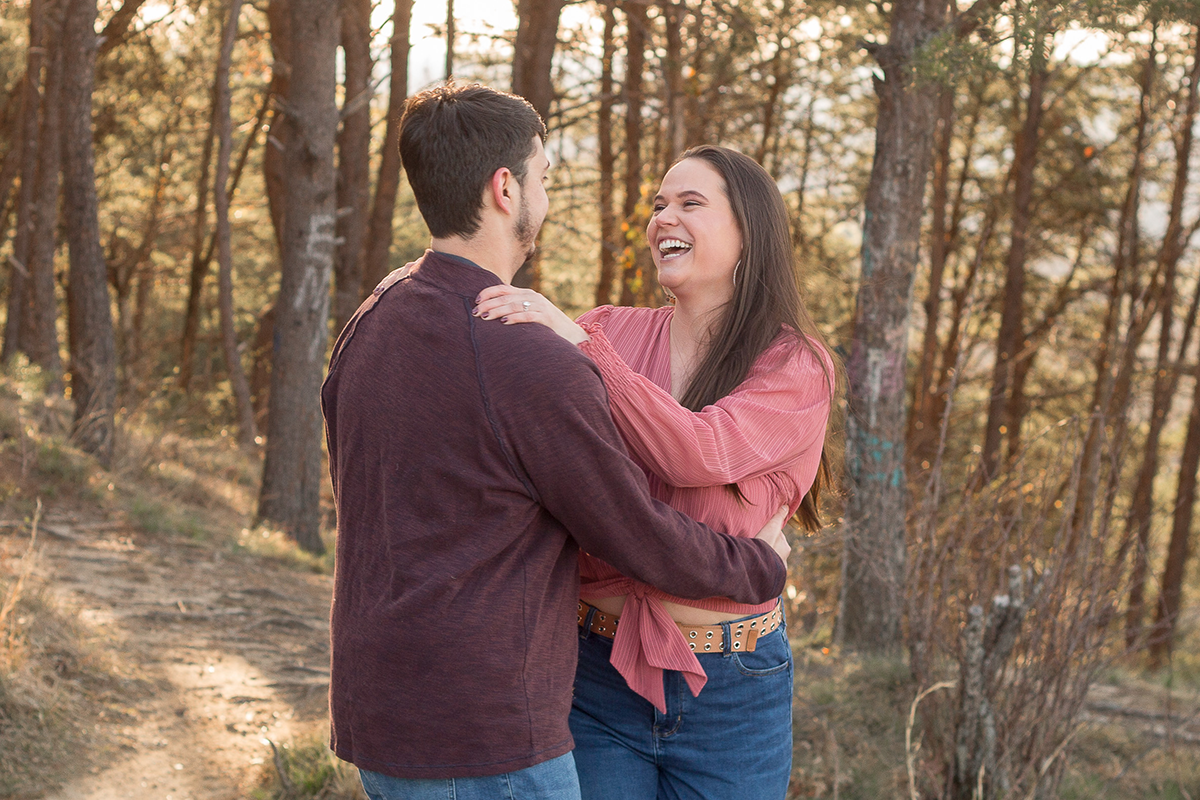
452,141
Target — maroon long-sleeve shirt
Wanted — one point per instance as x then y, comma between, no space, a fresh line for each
470,462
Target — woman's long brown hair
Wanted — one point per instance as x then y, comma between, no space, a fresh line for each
766,301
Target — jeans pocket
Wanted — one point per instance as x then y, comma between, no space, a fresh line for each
770,656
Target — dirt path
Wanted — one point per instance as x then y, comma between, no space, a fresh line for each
225,652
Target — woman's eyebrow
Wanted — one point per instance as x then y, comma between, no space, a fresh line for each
684,193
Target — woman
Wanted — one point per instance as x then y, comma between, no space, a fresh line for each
723,399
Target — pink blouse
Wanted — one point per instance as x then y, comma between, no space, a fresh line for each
766,436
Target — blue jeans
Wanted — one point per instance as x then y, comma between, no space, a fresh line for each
733,742
550,780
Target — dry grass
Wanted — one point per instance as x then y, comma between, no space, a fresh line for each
54,678
57,675
307,770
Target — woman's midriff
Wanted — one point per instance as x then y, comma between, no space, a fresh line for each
686,615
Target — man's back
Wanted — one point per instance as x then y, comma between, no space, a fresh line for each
438,539
462,452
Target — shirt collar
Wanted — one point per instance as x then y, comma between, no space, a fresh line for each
454,273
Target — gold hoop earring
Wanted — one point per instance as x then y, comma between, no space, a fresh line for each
735,269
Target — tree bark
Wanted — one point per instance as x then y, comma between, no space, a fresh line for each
873,559
41,316
354,159
129,268
1166,374
93,349
27,144
1008,340
1170,598
387,184
1115,359
280,21
674,13
608,220
450,36
199,268
922,437
533,58
635,63
533,52
233,360
290,494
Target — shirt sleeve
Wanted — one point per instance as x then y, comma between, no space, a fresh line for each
775,416
550,408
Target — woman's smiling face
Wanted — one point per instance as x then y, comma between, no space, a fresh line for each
693,233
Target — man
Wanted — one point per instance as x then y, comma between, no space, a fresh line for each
470,462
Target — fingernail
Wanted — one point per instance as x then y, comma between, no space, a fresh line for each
478,298
504,319
474,312
484,315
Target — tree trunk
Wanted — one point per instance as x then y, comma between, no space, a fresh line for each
290,494
608,220
93,350
635,64
1166,374
674,14
354,159
533,52
922,437
694,132
41,315
1113,375
233,360
780,69
1170,598
533,58
200,267
387,185
128,270
191,316
872,593
450,36
280,21
27,145
1008,341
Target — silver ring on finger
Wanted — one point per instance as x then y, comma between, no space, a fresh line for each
525,304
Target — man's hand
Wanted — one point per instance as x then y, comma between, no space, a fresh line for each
772,534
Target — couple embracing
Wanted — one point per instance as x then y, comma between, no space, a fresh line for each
559,552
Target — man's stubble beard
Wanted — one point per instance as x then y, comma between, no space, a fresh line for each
525,231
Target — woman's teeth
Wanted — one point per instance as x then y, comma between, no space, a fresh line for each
670,248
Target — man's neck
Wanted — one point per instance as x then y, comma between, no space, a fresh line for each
483,250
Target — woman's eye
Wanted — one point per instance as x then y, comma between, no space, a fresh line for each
658,208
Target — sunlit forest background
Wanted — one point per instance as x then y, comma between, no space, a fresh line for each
994,209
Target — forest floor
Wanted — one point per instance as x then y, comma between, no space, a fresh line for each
152,645
215,657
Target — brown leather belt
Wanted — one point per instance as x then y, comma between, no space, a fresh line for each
700,638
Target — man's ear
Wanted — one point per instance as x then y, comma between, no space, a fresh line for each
501,190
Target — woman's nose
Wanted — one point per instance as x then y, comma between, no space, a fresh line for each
666,216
